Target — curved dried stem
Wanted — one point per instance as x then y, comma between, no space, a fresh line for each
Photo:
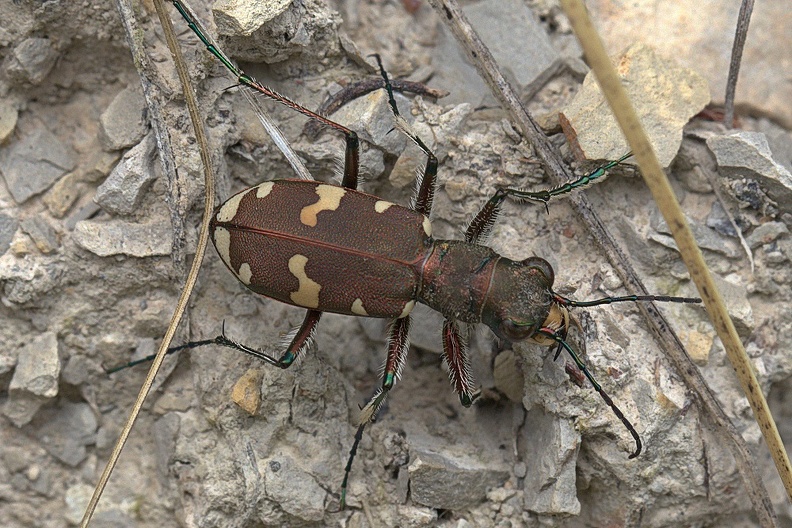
127,13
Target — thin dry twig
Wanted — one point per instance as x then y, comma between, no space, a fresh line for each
485,64
743,20
130,25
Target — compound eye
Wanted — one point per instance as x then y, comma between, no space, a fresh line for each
515,331
543,266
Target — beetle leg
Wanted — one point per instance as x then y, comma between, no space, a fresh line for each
455,355
479,229
351,157
301,339
425,185
398,344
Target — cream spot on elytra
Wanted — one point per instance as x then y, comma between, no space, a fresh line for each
229,209
427,226
222,241
381,206
358,309
245,273
329,200
307,293
264,189
408,306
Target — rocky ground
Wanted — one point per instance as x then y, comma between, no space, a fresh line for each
93,246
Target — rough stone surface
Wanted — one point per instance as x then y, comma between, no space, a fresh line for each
8,226
67,430
504,26
444,481
121,238
665,97
33,163
196,458
43,234
8,120
274,31
550,485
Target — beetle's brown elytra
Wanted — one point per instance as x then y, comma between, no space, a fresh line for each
262,229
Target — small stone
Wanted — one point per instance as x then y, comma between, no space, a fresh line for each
77,370
8,227
705,238
272,31
718,220
410,515
43,234
99,165
38,367
708,28
83,213
34,163
247,393
122,191
450,482
766,233
123,123
747,155
66,432
665,95
35,379
63,194
735,297
6,363
550,447
456,190
234,18
780,141
8,120
121,238
32,60
76,500
697,345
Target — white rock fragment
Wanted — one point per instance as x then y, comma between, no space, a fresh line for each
665,97
35,379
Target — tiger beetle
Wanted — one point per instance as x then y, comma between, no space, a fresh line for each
290,239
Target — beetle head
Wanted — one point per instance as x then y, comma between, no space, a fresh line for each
520,302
